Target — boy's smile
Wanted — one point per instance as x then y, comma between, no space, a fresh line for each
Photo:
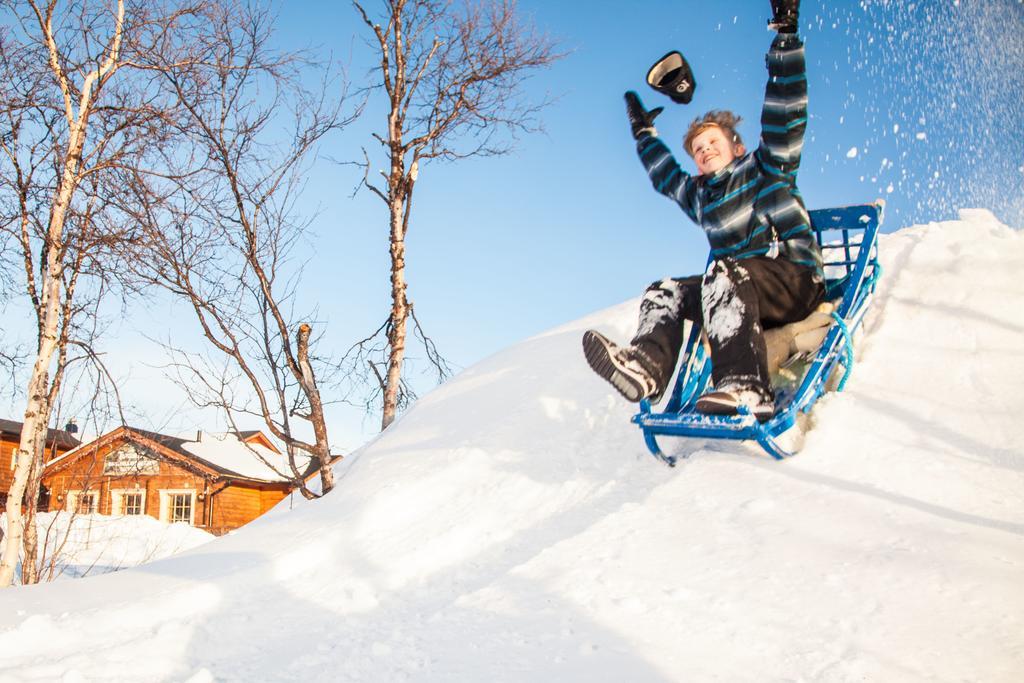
712,151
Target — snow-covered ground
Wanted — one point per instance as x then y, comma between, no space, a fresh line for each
87,545
511,527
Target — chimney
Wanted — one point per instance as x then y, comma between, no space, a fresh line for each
72,426
199,435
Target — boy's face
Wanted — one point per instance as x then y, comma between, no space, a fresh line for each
713,151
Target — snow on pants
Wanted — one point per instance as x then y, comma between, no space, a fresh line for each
737,300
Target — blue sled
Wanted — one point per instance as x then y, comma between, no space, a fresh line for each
849,242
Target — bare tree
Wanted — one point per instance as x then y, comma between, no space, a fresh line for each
58,142
77,111
224,223
452,74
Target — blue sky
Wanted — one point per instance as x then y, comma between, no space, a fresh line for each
503,248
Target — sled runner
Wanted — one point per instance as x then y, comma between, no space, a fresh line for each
848,237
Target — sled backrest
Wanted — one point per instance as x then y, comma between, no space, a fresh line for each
848,237
842,234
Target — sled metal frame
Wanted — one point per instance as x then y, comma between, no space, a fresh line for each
848,237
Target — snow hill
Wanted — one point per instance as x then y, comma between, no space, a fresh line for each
510,527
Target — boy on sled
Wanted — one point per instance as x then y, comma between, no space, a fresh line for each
766,267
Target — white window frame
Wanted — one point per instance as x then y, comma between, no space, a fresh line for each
75,495
165,504
117,500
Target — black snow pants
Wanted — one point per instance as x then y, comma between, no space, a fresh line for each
736,300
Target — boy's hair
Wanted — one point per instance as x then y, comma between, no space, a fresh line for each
720,118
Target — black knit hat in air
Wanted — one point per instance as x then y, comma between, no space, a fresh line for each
671,75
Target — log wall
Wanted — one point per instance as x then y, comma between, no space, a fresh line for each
7,448
239,504
8,445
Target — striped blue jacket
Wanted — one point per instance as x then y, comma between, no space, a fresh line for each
752,203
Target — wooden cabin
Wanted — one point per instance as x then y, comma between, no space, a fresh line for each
58,442
213,482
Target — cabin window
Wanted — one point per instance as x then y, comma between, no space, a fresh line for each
178,506
181,507
132,504
127,501
82,502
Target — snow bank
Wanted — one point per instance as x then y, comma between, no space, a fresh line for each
87,545
511,527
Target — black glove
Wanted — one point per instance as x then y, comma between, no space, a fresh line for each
785,16
639,118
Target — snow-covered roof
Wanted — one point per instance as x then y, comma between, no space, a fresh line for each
232,454
249,460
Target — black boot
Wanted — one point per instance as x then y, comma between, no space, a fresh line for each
727,399
627,368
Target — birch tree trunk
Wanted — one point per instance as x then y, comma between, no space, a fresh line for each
399,314
316,409
39,391
30,569
37,410
36,413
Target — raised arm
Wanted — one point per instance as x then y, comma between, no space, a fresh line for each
784,117
666,174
